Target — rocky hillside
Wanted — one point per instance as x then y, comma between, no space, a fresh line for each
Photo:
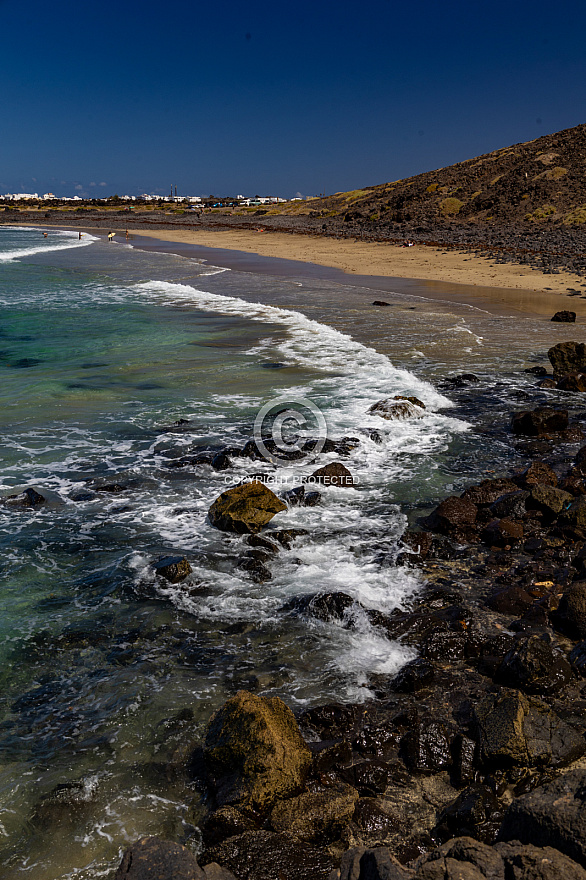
535,184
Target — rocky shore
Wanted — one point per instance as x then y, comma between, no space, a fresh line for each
547,249
468,764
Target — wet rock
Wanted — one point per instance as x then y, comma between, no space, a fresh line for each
334,474
173,568
567,357
361,863
464,757
245,509
575,515
540,422
547,383
549,500
488,491
503,533
466,859
536,371
325,606
221,462
368,777
414,400
254,752
577,658
263,544
510,506
538,473
529,862
29,498
153,859
419,543
571,614
572,382
67,804
552,815
444,646
514,730
380,302
227,822
316,817
564,317
256,569
214,872
475,813
265,855
394,409
372,820
535,667
454,517
426,748
462,380
298,497
286,537
414,676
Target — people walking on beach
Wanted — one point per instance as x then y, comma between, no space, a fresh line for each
111,235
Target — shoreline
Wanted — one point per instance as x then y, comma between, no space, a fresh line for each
458,277
353,257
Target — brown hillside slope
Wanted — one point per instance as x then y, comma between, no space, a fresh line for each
541,182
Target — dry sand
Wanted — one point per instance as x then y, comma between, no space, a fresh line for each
372,258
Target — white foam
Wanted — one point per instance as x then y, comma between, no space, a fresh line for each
68,240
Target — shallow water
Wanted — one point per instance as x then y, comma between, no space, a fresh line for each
104,347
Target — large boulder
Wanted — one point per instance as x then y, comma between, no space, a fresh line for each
245,509
550,500
567,357
552,815
515,730
454,517
254,752
153,859
362,863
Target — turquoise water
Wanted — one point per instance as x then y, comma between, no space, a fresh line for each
103,348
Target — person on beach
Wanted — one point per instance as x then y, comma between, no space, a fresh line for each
45,234
111,235
127,235
80,235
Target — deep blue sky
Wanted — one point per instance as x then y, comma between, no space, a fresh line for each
275,98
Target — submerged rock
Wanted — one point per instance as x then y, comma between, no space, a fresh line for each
29,498
254,752
540,422
245,509
153,859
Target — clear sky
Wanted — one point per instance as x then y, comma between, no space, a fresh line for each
275,98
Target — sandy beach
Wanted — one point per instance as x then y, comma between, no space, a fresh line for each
376,259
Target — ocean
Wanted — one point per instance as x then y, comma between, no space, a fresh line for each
116,362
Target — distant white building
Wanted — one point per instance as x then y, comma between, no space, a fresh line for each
15,197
